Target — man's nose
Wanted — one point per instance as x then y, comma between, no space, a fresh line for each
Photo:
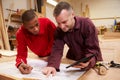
62,26
35,28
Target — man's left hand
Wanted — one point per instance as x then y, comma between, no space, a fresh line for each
82,65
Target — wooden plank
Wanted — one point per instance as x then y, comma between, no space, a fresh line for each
1,42
44,8
4,34
111,35
7,77
105,18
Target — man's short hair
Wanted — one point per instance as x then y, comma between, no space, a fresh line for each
28,15
60,6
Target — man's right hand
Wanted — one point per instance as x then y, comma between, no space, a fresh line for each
49,70
25,68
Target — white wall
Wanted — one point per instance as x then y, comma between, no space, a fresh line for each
24,4
104,9
49,12
99,9
14,5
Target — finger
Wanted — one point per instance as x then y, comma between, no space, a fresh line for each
44,71
25,69
29,69
48,73
22,70
54,72
78,66
84,64
26,66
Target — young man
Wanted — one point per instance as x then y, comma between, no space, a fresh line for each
79,34
36,34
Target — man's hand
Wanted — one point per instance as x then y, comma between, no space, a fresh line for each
49,70
25,68
82,65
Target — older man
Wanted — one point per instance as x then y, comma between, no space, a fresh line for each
79,34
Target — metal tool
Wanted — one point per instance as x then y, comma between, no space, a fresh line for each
100,68
81,60
115,65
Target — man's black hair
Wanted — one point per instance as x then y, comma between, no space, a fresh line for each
28,15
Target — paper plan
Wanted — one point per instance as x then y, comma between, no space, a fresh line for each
64,74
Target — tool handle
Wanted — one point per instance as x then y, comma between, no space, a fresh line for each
84,60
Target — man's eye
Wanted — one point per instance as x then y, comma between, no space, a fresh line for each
64,22
31,27
37,24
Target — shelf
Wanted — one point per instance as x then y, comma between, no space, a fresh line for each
16,15
15,18
105,18
16,21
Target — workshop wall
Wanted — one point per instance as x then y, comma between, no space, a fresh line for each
97,9
14,5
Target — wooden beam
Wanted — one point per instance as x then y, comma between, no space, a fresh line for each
4,34
8,77
5,77
105,18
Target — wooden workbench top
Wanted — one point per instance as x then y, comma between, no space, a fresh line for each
110,51
112,73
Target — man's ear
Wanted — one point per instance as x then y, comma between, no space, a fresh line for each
73,13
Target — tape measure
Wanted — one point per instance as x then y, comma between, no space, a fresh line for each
101,68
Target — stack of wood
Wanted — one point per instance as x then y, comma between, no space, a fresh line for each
111,35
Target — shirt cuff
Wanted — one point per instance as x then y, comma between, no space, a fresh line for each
18,64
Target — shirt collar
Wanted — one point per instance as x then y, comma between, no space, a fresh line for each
77,23
27,32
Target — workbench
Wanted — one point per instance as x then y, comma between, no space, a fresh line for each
110,50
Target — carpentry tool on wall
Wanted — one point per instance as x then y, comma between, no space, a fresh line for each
9,17
11,10
101,68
